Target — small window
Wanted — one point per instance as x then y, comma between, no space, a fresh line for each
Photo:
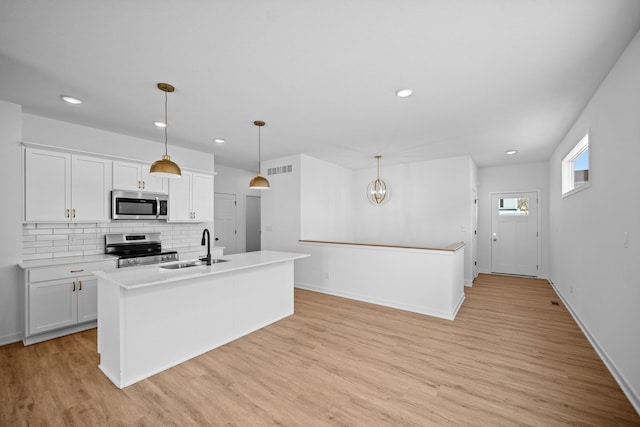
575,168
518,206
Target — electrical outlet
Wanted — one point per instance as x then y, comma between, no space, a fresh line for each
571,289
626,239
326,276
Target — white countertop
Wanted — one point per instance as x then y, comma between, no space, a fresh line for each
50,262
138,277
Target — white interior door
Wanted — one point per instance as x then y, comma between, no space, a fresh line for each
514,233
253,223
224,224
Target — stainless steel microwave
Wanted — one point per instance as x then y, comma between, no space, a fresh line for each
138,205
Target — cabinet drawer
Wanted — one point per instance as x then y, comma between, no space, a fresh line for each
69,270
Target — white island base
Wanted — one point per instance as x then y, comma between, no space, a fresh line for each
150,319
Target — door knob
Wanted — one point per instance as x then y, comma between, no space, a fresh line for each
216,239
495,240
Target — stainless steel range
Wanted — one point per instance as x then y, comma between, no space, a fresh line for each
138,249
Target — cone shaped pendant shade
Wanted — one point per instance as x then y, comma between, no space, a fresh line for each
165,168
259,182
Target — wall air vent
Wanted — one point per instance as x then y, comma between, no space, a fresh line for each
280,169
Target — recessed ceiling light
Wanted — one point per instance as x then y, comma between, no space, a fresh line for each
403,93
219,140
511,152
70,99
160,124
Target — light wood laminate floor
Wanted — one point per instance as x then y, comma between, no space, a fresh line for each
510,358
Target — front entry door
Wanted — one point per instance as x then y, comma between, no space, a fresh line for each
514,233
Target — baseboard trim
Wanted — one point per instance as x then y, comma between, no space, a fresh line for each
627,389
10,338
56,333
385,303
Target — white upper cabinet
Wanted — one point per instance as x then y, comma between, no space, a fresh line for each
135,177
90,188
47,186
62,187
191,198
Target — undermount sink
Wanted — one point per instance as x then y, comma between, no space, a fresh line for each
188,264
181,265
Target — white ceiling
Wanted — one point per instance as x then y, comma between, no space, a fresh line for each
487,75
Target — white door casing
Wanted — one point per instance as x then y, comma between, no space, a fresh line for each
514,233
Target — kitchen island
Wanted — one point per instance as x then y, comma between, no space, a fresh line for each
152,318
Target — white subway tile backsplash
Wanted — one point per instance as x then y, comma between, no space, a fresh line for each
66,254
36,232
52,225
53,240
49,237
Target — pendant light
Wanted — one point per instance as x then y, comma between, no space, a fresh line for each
259,182
378,191
165,168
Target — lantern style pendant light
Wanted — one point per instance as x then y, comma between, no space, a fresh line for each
378,191
259,182
165,168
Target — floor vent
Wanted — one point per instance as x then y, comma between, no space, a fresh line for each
280,169
555,303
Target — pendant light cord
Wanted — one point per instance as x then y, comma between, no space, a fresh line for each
259,153
166,125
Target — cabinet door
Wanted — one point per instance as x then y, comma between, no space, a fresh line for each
87,298
126,176
152,183
202,197
180,198
47,185
90,177
52,304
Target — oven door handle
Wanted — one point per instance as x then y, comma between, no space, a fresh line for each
157,207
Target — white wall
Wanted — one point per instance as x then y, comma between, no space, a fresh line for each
589,265
326,201
236,181
520,177
430,206
280,207
11,299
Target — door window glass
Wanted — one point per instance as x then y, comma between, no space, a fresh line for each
515,206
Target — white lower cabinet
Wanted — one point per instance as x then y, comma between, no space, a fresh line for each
61,300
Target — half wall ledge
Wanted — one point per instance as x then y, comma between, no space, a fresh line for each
425,280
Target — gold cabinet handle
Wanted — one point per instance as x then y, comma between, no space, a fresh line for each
143,185
80,282
74,286
67,213
74,212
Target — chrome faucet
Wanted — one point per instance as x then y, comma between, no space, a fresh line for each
208,239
